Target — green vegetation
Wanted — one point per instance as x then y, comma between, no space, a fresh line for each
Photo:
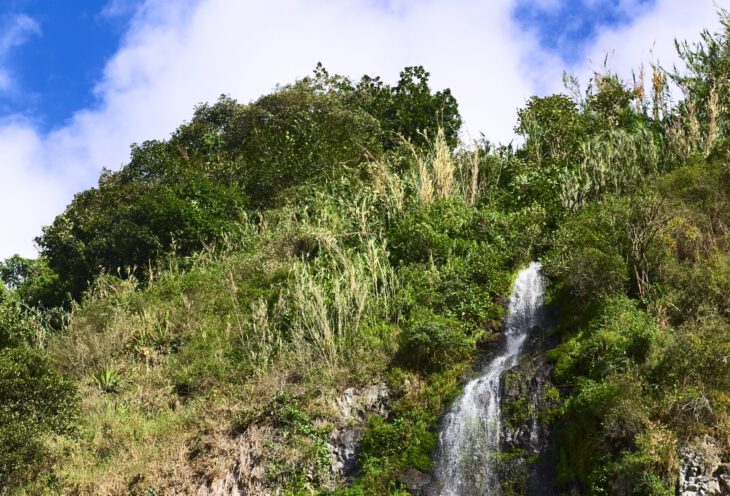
639,275
201,310
36,402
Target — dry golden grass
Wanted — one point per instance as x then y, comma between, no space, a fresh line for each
435,169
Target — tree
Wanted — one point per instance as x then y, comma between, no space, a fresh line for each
135,216
410,109
553,129
189,191
296,135
609,104
33,281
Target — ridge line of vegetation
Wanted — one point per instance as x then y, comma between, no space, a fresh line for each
195,314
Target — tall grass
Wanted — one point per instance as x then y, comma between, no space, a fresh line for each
261,337
436,169
614,162
696,128
442,173
333,300
342,282
390,189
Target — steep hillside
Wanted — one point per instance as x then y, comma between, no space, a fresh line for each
285,296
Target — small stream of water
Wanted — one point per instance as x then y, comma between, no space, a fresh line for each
469,439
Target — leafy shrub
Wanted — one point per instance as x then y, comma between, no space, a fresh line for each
586,258
434,342
129,223
601,420
617,340
33,282
34,402
435,231
20,324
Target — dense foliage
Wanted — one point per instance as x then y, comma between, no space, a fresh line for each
192,190
209,301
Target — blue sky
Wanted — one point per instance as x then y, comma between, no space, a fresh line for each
59,61
80,80
569,27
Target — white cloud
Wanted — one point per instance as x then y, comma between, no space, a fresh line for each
174,57
119,8
14,32
28,191
178,53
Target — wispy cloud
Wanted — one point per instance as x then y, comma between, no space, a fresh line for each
568,27
649,38
178,53
115,9
14,32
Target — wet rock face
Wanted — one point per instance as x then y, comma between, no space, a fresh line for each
523,399
528,463
701,471
354,406
418,483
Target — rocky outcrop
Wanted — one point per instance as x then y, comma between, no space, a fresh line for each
528,464
418,483
701,471
263,442
353,408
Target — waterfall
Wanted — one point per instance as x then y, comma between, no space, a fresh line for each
469,439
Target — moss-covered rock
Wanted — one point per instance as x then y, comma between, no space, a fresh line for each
527,463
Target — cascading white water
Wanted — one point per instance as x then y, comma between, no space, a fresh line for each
469,440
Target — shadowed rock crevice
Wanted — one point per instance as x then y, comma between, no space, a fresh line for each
529,402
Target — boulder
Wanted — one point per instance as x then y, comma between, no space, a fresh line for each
701,471
353,407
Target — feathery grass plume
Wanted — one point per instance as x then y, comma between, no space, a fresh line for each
390,188
443,166
639,90
572,86
474,171
334,296
425,183
359,212
614,162
694,128
687,135
678,143
713,122
474,186
436,168
660,93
